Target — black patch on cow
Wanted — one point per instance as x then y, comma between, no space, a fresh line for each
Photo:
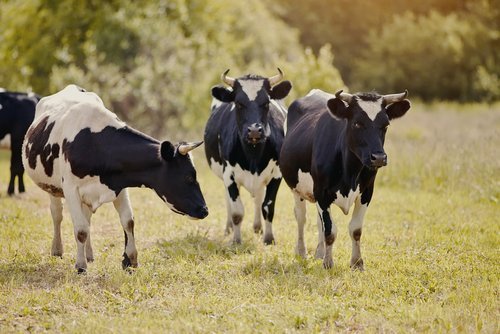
233,191
126,263
271,192
37,145
130,226
327,223
356,234
126,238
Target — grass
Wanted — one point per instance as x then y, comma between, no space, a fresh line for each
430,244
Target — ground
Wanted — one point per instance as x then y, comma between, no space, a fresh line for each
430,246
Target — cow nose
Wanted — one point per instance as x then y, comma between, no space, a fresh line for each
379,159
254,132
203,212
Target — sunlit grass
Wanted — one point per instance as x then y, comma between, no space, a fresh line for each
430,244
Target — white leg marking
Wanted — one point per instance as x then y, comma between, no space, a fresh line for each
258,201
300,216
122,205
80,225
56,208
355,227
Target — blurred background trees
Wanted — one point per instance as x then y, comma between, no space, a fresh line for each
153,62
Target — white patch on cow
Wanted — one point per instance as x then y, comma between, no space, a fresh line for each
345,203
215,104
251,87
92,192
1,107
320,93
371,108
280,104
305,186
216,167
254,182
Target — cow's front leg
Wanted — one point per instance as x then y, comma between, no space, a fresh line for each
355,228
258,201
329,232
300,216
235,206
56,210
10,188
268,209
20,181
122,205
80,226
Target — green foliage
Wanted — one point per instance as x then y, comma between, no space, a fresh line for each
153,62
440,49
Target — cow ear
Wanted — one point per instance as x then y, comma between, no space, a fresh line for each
167,150
223,94
337,108
281,90
397,109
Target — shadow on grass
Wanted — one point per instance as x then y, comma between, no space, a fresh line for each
199,248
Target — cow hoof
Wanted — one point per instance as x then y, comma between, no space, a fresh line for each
300,250
269,240
237,241
320,252
90,259
358,265
81,271
327,263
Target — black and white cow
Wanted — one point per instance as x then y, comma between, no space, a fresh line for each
243,138
17,111
79,150
332,151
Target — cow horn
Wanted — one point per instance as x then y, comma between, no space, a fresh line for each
185,148
228,80
391,98
277,78
344,96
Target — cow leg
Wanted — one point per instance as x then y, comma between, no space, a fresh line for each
330,233
235,207
20,181
300,216
80,226
355,227
320,249
258,201
16,164
56,209
89,252
229,221
10,189
122,205
268,209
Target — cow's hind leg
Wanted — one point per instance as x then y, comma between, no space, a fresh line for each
10,188
268,209
56,210
355,228
300,216
122,205
89,252
330,233
20,181
80,226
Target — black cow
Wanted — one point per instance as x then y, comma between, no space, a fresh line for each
332,151
243,138
17,111
79,150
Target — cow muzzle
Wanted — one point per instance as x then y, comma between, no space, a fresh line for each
255,133
378,159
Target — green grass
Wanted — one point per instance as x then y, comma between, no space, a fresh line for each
430,244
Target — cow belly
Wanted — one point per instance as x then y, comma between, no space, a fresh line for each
255,182
305,186
93,192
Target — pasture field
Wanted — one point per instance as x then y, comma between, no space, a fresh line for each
431,246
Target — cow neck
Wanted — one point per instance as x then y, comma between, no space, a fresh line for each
351,165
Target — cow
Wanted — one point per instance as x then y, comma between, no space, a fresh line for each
332,151
17,111
243,138
78,150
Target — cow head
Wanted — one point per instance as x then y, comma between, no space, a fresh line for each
176,182
368,116
251,95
